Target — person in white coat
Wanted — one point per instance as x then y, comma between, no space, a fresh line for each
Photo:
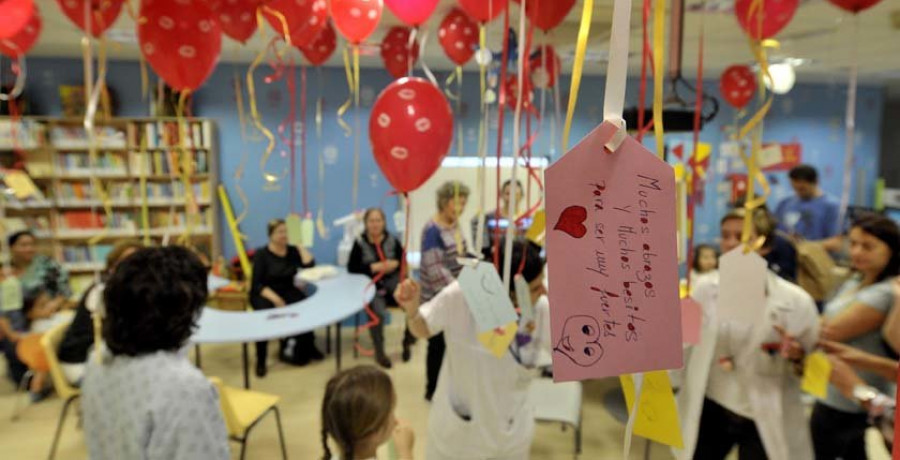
480,408
741,385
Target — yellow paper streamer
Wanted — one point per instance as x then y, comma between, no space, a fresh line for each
251,92
145,205
145,79
659,32
349,102
235,233
580,51
93,90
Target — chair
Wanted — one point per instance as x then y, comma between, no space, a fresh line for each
50,342
558,403
243,409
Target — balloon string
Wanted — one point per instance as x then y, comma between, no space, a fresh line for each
410,59
646,58
403,264
145,79
320,103
285,29
501,105
422,62
349,102
580,51
303,90
292,125
356,134
850,126
94,89
373,318
692,176
482,141
659,32
254,112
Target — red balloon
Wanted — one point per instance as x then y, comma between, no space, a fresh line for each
545,66
180,39
23,41
305,19
396,52
776,14
737,85
321,48
458,35
854,6
511,96
411,129
547,14
485,10
412,12
14,14
102,13
237,18
356,19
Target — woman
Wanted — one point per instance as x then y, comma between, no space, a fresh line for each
377,254
146,399
80,337
274,285
481,408
442,243
735,392
36,272
855,316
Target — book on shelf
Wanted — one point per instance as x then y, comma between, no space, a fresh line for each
64,137
20,134
85,254
39,224
106,163
167,134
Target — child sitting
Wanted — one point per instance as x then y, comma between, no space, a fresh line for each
358,414
41,313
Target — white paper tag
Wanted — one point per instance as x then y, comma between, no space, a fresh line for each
486,297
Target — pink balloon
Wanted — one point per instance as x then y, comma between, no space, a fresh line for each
412,12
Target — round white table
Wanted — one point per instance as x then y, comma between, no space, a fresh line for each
334,300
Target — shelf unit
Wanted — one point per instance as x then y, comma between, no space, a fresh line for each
130,152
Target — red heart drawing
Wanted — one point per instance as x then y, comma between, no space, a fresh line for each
572,220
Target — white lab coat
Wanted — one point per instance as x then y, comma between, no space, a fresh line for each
480,408
769,383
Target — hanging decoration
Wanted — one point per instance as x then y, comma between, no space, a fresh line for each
411,129
19,44
776,14
512,92
737,85
237,18
854,6
483,11
458,35
304,19
412,12
319,50
103,14
181,41
547,14
356,19
14,14
545,66
398,51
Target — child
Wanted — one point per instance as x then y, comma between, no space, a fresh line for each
706,260
146,399
358,414
41,313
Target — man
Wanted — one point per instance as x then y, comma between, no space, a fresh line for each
498,217
810,214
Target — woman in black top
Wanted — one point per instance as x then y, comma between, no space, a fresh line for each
377,252
79,338
275,267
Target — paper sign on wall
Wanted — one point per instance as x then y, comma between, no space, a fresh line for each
691,320
294,225
498,340
611,247
742,287
657,416
816,373
487,298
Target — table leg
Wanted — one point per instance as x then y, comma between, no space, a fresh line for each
337,346
328,339
245,358
197,356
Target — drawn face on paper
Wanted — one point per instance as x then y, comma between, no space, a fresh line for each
580,341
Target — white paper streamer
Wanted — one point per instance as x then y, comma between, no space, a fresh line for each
850,127
617,71
638,380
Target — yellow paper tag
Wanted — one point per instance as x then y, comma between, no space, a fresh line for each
657,416
294,225
21,184
307,232
496,342
538,228
816,373
10,294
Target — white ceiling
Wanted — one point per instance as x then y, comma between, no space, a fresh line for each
819,32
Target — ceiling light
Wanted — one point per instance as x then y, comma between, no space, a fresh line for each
782,76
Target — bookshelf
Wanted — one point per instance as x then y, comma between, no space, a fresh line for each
134,155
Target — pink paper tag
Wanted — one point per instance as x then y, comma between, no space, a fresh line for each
611,247
691,320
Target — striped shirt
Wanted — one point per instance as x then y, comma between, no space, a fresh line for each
439,252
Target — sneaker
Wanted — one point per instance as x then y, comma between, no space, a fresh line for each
407,353
315,354
261,370
383,361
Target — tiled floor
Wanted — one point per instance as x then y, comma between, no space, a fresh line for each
301,390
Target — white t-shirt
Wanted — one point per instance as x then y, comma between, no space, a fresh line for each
480,409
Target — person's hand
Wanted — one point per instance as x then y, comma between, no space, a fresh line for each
826,332
278,302
404,439
843,377
391,265
408,295
791,349
850,355
378,267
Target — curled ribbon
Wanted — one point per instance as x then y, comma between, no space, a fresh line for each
659,32
21,72
580,51
94,89
145,79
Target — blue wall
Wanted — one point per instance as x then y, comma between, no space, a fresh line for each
809,114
